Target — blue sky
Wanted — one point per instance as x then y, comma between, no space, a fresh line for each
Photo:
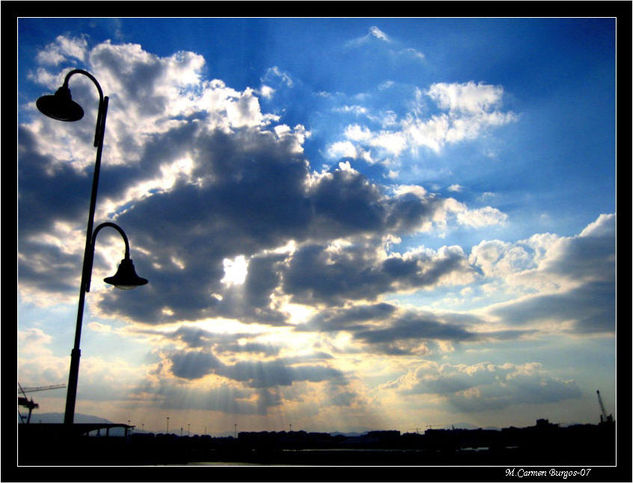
347,223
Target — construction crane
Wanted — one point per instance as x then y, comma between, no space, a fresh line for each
604,418
41,388
29,403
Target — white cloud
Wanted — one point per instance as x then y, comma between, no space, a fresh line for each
417,190
353,109
266,91
481,217
374,33
416,54
342,149
274,75
392,142
62,49
471,109
245,110
33,341
468,97
379,34
602,227
355,132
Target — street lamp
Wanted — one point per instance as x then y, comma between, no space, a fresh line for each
61,107
125,277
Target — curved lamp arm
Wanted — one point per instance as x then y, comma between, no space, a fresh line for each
103,103
90,258
87,74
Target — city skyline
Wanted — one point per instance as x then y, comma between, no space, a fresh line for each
346,224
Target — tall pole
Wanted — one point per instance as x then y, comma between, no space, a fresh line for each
61,107
75,355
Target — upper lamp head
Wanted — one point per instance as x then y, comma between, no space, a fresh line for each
60,106
125,277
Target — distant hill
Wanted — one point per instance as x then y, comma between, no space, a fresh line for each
59,418
348,434
461,426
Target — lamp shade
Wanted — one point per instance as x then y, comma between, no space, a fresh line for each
125,277
60,106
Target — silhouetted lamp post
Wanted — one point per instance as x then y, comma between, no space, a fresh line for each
61,107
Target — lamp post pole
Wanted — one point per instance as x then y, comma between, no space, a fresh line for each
60,106
75,355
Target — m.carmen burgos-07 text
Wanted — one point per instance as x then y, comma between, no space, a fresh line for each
555,473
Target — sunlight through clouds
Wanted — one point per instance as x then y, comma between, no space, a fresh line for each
235,270
328,241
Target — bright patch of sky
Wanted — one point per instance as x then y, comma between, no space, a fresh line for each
347,224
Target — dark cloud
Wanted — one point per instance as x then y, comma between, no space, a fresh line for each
405,212
196,338
589,261
48,268
591,307
355,209
589,256
349,318
249,190
193,364
251,347
260,374
386,329
317,274
414,327
48,192
256,199
507,334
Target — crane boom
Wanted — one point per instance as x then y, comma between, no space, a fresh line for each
29,403
603,417
41,388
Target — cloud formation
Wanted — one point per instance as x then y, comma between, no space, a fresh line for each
575,277
485,386
442,115
204,179
230,220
